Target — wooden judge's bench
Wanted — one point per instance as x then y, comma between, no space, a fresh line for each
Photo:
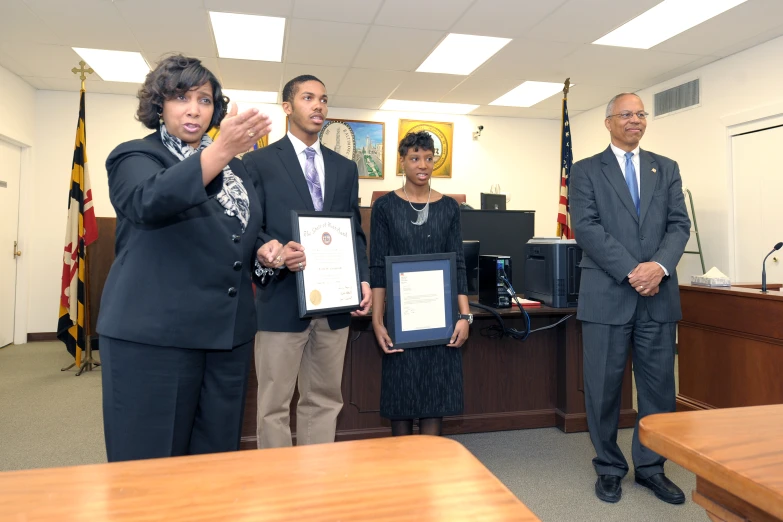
730,347
508,384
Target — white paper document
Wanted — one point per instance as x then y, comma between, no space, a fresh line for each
422,301
330,274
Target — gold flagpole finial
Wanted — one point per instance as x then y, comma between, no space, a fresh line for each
82,71
566,86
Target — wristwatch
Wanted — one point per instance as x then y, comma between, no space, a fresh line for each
467,317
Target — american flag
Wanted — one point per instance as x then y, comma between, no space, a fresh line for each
566,157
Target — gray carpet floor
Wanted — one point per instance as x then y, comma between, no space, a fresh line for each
50,418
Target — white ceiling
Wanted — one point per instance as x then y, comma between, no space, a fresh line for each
366,51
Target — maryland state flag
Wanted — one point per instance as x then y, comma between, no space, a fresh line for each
260,144
80,231
566,158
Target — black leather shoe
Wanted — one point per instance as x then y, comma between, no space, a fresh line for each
663,488
608,489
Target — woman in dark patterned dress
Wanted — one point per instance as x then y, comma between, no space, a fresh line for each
419,383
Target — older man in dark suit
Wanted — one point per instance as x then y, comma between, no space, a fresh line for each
629,217
298,173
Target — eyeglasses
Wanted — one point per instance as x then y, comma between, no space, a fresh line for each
627,115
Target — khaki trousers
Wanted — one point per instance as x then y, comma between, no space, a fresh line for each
313,360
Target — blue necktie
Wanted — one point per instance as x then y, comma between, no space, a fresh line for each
630,180
313,181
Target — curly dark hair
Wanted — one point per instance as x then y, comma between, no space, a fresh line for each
416,140
290,89
175,75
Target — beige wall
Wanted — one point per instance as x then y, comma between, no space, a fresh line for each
520,155
750,82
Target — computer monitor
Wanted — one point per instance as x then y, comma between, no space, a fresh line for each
493,201
471,249
501,232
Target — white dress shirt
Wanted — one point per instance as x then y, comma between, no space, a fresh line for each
300,147
620,155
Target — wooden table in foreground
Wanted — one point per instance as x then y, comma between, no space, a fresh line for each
405,478
736,454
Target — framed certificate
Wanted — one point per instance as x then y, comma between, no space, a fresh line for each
421,299
329,284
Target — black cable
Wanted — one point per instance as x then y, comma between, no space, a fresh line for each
499,330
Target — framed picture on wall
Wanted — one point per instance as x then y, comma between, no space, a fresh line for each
442,134
360,141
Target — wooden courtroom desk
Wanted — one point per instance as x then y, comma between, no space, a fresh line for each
736,454
508,384
730,347
405,478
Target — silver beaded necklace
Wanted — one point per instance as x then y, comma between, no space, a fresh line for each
423,214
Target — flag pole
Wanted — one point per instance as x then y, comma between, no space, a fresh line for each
85,363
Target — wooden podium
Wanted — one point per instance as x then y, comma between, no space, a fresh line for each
730,347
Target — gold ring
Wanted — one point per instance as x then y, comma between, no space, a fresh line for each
301,266
641,288
251,133
278,259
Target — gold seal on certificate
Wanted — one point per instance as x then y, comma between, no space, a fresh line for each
329,284
315,297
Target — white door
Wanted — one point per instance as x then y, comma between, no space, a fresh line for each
758,213
10,167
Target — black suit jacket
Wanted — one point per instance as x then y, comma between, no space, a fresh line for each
182,272
281,187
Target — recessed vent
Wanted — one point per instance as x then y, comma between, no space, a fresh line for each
677,98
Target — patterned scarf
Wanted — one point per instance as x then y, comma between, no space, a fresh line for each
233,195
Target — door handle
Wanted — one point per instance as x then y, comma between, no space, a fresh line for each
17,253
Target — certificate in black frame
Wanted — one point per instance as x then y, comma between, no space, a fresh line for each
304,311
396,265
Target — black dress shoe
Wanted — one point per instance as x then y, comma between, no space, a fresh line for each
663,488
608,489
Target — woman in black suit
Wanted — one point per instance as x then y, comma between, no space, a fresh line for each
177,318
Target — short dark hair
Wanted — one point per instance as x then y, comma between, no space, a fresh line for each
290,89
175,75
416,140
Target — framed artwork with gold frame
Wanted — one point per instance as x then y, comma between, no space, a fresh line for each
442,134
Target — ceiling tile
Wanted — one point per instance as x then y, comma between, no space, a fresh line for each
370,83
616,66
331,77
436,14
396,48
525,59
157,36
323,43
13,63
750,42
280,8
729,28
585,21
353,102
350,11
95,24
38,83
18,22
426,86
478,89
583,97
504,18
250,74
128,89
71,85
44,61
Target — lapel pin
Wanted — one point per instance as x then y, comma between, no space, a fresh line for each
654,171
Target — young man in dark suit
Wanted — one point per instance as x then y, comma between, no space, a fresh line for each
298,173
629,217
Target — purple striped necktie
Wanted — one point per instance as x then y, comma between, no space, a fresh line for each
313,181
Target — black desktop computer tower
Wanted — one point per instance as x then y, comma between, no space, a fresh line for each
492,291
552,272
